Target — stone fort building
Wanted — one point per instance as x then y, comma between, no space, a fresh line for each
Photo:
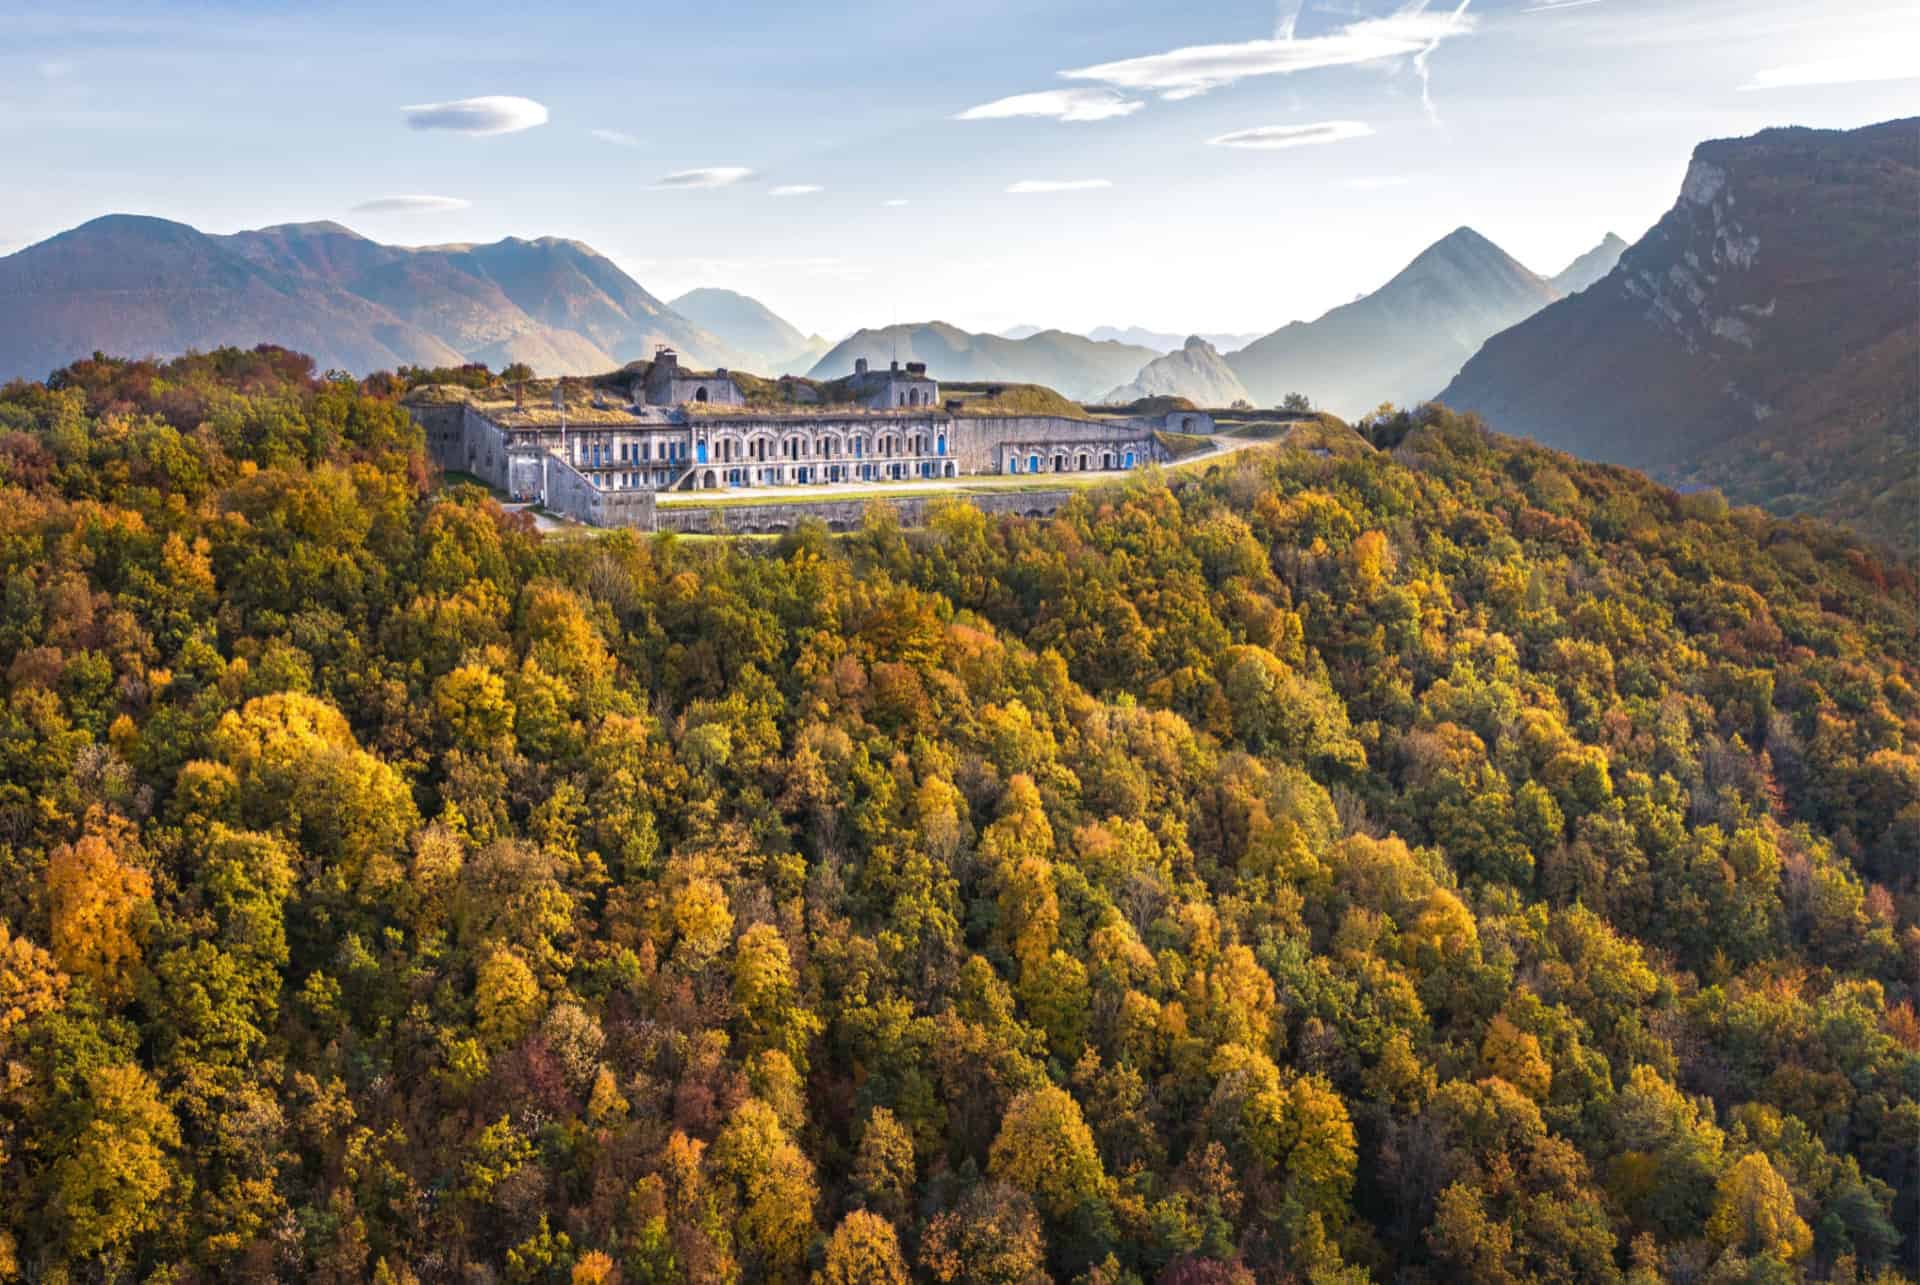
603,461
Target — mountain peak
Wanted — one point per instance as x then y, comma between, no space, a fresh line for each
1403,341
1462,242
315,227
141,225
1591,267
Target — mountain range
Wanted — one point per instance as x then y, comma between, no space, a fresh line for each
1404,341
132,284
1077,366
1196,371
1161,341
1762,338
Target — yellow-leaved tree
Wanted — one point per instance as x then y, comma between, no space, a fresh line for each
1753,1213
94,899
1045,1149
864,1250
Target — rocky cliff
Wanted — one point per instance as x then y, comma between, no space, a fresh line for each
1763,337
1195,371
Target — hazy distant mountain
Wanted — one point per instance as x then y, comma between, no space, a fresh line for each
1590,267
1165,341
1196,371
137,285
1072,364
776,346
440,290
1403,342
1761,338
1159,340
128,284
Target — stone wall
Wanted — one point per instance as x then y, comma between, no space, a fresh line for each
979,440
571,495
445,430
844,515
461,440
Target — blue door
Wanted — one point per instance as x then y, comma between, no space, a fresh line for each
701,452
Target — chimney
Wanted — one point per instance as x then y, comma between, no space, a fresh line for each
859,365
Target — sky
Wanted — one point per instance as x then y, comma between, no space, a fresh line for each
1211,165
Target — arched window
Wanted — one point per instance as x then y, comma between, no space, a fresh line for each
700,393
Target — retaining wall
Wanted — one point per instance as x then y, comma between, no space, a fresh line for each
570,494
844,515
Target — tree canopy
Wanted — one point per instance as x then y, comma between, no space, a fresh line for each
1437,862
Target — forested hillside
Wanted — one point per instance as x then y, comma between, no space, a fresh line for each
1455,862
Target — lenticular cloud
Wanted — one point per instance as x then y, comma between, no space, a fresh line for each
1057,104
1273,137
710,176
497,114
410,204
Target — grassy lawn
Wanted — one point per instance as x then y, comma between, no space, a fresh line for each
458,477
1183,445
1260,430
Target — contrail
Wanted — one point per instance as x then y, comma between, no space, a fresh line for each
1289,17
1420,59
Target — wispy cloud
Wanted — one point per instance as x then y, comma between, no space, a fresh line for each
896,202
1895,62
1287,17
1182,73
497,114
1274,137
410,204
1551,6
618,137
711,176
797,189
1059,104
1030,186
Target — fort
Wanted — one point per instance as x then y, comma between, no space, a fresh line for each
600,451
